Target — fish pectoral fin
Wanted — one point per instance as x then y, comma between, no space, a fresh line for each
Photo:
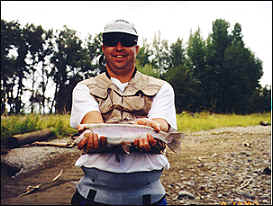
126,147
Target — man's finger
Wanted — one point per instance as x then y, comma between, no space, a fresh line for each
82,143
136,142
90,143
103,140
147,146
156,126
144,144
152,141
141,121
141,143
151,123
95,141
81,127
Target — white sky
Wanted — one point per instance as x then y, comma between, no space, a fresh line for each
174,19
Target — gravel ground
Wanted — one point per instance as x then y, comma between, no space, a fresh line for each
221,166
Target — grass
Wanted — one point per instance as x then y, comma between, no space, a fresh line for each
11,125
186,122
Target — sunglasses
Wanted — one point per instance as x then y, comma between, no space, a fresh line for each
112,39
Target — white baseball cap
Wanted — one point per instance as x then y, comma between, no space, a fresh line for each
120,25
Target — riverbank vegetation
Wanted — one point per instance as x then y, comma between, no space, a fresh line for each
186,122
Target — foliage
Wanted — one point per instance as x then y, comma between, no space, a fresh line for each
160,57
186,122
177,54
185,88
16,124
143,54
17,44
67,60
40,68
193,122
149,70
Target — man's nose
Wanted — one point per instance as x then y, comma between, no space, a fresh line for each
119,46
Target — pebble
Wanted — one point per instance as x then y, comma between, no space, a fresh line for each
219,195
267,171
216,177
185,194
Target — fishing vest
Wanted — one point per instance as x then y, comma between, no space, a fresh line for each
134,102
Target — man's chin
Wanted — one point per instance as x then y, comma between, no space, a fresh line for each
120,70
120,67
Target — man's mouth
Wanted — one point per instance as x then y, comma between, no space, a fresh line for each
119,56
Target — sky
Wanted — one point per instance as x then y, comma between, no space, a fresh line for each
173,19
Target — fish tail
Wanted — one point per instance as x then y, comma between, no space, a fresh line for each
174,141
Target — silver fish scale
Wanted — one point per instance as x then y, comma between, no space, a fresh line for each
118,133
122,133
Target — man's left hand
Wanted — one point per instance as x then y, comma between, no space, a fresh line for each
149,143
151,123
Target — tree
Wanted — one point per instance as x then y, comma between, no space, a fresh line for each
14,50
197,62
216,81
177,54
242,71
237,36
160,58
261,101
148,70
94,47
185,88
67,60
40,47
219,74
144,54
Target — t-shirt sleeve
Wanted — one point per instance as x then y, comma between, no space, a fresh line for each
82,103
163,105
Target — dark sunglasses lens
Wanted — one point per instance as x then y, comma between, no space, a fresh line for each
128,42
124,39
110,41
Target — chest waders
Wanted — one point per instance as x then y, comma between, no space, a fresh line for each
137,188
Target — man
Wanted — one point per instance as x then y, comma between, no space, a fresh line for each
122,94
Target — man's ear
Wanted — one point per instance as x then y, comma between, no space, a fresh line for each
137,49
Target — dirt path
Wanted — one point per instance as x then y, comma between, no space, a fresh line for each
221,166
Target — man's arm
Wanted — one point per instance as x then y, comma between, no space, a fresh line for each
85,110
92,117
91,140
148,143
164,126
162,116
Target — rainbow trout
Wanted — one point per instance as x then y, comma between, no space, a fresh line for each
125,134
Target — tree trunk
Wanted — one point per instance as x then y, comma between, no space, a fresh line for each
30,137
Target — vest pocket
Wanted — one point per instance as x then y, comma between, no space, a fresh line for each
133,103
105,105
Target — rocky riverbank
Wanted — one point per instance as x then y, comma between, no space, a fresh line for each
221,166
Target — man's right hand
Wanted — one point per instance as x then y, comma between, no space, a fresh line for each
91,141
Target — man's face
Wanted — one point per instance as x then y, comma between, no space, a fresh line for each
120,59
